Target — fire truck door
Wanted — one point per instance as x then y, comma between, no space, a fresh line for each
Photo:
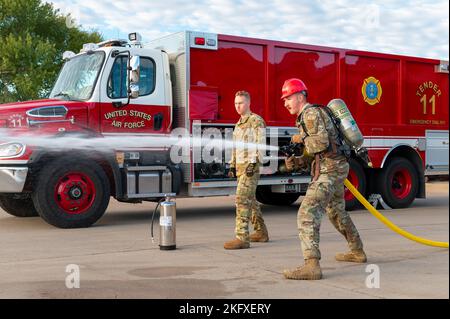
148,113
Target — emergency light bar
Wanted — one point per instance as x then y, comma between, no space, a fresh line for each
67,55
89,47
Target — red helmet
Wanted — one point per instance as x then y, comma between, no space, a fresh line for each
292,86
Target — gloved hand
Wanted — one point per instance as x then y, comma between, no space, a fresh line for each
294,163
290,163
250,170
232,172
297,139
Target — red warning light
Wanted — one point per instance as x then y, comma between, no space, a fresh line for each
199,41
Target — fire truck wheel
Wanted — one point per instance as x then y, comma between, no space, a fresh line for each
398,183
72,193
19,205
357,177
264,195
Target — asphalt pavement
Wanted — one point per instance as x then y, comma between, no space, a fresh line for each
116,258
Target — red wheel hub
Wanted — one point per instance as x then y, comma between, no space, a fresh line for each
75,193
401,183
353,178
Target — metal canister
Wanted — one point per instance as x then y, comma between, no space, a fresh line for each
167,225
348,127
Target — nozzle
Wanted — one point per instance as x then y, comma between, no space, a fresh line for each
364,155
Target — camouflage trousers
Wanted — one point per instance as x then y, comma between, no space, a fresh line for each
326,194
247,208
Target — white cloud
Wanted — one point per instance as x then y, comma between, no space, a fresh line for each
417,27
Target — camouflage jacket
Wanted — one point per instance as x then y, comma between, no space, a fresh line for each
318,132
249,138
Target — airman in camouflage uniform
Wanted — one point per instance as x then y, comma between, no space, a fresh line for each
325,193
248,136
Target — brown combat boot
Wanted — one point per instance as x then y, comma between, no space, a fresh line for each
259,236
356,256
236,244
309,271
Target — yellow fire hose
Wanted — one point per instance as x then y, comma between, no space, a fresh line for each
388,223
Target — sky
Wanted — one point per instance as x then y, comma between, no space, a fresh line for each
415,28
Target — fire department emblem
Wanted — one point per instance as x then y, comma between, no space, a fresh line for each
371,90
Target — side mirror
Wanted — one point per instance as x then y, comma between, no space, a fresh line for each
133,75
135,68
134,91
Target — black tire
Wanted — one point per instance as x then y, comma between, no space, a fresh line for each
398,183
356,173
19,205
264,195
92,189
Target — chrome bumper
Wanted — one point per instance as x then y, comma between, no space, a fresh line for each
12,179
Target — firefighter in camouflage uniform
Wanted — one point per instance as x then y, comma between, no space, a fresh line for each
248,137
325,194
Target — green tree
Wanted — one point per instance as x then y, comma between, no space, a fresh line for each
33,36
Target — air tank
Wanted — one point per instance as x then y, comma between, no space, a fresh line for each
350,131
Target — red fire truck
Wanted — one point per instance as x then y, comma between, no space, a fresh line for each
188,80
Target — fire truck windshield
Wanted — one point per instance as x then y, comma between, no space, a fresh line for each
78,77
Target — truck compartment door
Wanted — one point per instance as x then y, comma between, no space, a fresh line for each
436,158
